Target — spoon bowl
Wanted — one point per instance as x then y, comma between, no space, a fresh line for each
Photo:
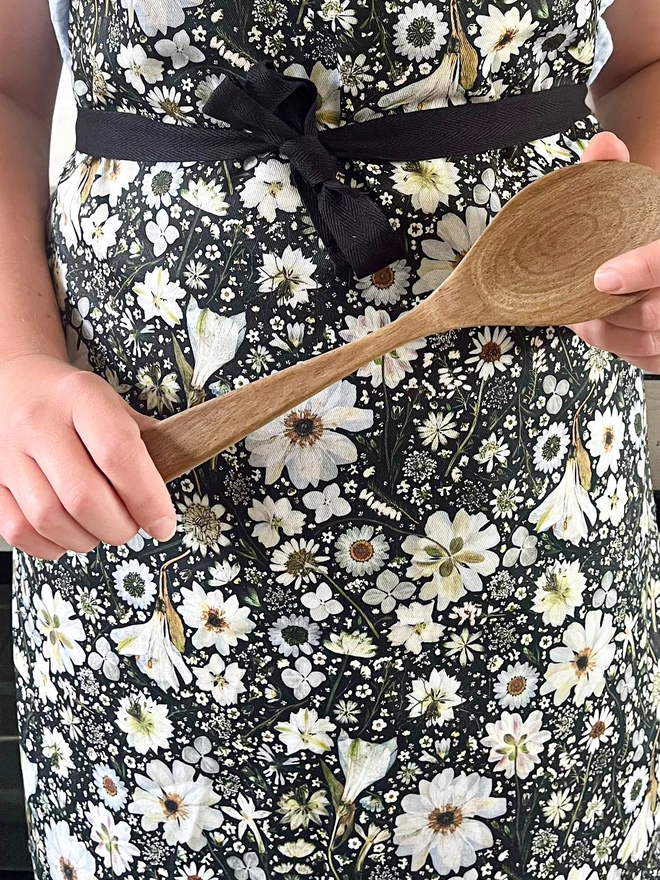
532,266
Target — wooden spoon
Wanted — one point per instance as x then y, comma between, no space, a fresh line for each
532,266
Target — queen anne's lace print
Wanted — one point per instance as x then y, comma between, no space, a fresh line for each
408,629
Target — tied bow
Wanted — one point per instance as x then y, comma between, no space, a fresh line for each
269,112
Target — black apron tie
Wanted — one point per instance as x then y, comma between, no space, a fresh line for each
269,112
280,114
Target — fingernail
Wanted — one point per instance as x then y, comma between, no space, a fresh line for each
162,529
608,280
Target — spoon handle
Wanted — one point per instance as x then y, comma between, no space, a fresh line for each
179,443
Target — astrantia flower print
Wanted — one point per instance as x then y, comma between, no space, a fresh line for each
409,629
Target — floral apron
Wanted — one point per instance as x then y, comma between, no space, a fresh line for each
409,629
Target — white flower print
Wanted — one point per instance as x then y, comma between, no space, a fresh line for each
305,730
160,233
302,678
434,698
214,340
515,745
420,31
612,503
363,763
179,801
110,787
179,50
387,285
415,626
321,603
583,660
454,554
294,634
158,297
247,814
105,658
138,67
359,551
208,196
559,592
61,630
151,645
354,74
491,352
289,276
485,192
429,182
516,685
392,367
246,867
306,441
437,430
506,500
58,751
100,230
441,257
145,723
551,447
556,391
167,103
67,856
600,728
162,183
298,562
502,35
441,821
388,590
154,16
338,12
134,583
567,508
113,839
637,424
524,550
43,680
200,523
270,190
549,45
272,516
218,622
327,503
115,177
224,681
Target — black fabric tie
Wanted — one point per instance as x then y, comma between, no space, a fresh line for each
279,112
270,112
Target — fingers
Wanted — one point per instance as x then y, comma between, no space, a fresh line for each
84,493
643,316
18,532
638,269
605,146
119,452
626,343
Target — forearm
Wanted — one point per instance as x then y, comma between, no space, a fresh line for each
632,112
30,316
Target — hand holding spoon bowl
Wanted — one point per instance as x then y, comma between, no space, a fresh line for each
532,266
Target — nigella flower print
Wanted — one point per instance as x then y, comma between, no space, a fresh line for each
409,629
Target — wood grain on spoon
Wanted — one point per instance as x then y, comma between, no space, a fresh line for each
532,266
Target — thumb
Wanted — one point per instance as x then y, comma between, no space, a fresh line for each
605,145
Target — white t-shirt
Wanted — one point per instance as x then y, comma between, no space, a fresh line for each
59,10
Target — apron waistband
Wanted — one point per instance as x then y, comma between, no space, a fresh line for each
269,112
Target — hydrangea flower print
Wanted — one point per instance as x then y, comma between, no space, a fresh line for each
407,630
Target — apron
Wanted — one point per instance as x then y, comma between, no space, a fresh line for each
408,629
